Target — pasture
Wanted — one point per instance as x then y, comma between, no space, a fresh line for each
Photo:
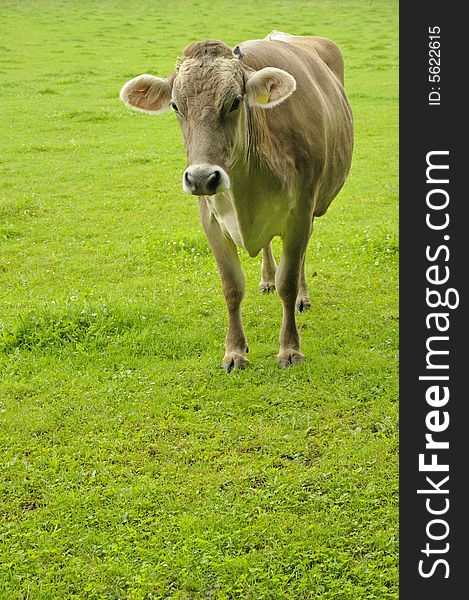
133,466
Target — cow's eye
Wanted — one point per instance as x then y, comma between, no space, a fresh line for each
174,106
236,103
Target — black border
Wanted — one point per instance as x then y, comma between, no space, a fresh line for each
424,128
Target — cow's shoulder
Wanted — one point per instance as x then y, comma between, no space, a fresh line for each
329,53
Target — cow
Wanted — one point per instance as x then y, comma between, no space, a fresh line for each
268,133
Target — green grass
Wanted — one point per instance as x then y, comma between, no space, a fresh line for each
133,467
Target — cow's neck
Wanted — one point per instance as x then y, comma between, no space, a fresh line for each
256,152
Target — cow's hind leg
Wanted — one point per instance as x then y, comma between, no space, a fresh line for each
303,302
268,269
233,283
287,280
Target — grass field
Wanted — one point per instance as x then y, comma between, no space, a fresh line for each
133,466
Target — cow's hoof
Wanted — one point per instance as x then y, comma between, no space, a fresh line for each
289,358
303,303
233,360
266,287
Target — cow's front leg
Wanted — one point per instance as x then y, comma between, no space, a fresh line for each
233,283
287,282
268,270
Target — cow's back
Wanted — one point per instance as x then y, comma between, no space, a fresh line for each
325,48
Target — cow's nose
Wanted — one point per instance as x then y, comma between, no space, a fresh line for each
189,180
202,181
213,181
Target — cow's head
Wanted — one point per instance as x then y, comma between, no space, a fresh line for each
209,91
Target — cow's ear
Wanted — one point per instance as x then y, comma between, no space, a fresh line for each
147,93
268,87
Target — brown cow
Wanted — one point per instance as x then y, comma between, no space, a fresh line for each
268,133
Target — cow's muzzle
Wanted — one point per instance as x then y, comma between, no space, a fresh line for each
205,180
